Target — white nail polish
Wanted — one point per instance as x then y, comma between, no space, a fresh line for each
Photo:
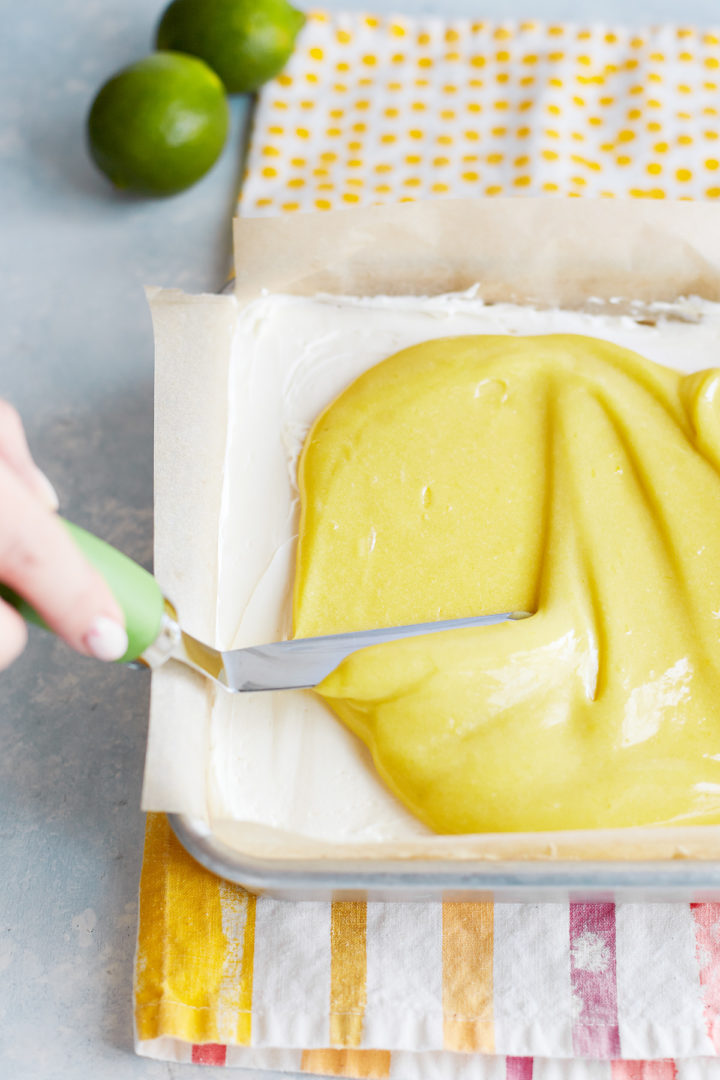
49,494
106,639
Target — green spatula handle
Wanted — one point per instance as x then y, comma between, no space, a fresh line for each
136,591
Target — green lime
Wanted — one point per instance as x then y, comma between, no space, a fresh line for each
158,126
246,42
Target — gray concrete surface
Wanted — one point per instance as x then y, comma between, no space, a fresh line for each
76,358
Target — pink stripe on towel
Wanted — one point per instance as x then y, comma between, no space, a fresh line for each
644,1070
518,1068
707,950
592,979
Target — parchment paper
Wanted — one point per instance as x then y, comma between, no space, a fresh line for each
569,253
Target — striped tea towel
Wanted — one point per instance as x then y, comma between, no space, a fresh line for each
421,991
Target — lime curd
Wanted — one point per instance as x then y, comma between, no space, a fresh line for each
557,474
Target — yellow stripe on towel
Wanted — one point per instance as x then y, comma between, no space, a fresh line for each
468,977
363,1064
348,972
193,969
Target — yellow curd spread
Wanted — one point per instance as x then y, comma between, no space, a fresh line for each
560,475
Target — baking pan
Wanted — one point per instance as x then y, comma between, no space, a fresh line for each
590,249
423,880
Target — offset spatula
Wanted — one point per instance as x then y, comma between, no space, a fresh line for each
155,635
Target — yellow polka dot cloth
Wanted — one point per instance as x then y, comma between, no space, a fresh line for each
377,109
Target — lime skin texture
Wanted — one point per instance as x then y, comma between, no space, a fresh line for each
247,42
159,125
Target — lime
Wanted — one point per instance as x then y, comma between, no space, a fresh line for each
157,126
246,42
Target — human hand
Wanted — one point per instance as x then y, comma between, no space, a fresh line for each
41,563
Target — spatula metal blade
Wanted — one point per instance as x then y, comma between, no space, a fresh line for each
304,662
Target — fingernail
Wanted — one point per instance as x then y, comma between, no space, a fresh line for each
48,492
106,639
